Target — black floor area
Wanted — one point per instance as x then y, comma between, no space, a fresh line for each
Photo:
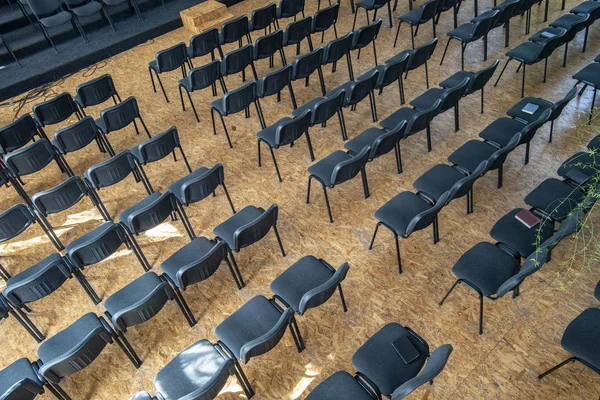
41,64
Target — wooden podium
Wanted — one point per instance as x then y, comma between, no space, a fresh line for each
210,14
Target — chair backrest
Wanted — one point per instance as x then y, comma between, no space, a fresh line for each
42,8
262,17
120,115
297,31
159,146
386,142
435,365
171,58
481,77
289,8
76,136
239,99
348,169
269,340
305,64
234,30
464,185
30,159
97,247
452,96
61,197
111,171
40,283
327,108
325,18
267,45
204,43
202,268
420,55
484,25
320,294
524,6
421,119
548,47
446,5
529,130
202,186
55,110
274,82
559,106
337,48
361,88
532,264
14,221
96,91
255,230
236,60
507,10
205,75
364,35
391,72
153,214
17,134
429,9
425,218
573,223
499,156
290,131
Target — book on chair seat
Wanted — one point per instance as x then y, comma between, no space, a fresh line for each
527,218
530,108
547,35
406,350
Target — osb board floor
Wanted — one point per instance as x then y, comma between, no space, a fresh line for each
521,337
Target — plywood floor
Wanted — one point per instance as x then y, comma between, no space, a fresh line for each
521,337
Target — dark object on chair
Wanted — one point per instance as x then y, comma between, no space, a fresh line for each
95,92
175,57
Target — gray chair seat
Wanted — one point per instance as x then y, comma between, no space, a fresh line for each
501,130
87,9
339,386
192,372
70,338
304,275
187,81
323,169
511,231
33,270
268,134
486,266
567,21
306,106
582,337
366,138
590,74
89,237
463,32
516,110
456,79
154,65
437,180
176,187
541,36
226,230
219,105
191,252
16,372
378,360
525,52
471,154
427,99
400,210
402,114
585,162
554,197
124,215
141,396
100,124
57,19
132,293
255,318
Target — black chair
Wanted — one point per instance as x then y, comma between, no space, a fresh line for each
471,32
22,319
77,136
263,18
524,9
572,23
175,57
255,329
392,72
589,76
380,141
323,109
448,97
159,147
50,14
273,83
447,5
153,211
198,372
416,58
266,46
519,238
335,50
337,168
204,43
373,5
296,32
199,185
76,347
529,53
324,19
234,30
406,213
477,80
285,132
235,101
555,199
17,219
306,64
246,227
133,5
85,8
20,380
358,90
118,117
418,16
55,110
366,35
95,92
200,78
507,10
237,61
588,8
18,133
4,43
557,108
290,8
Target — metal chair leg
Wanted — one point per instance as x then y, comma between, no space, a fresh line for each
449,291
568,360
279,240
